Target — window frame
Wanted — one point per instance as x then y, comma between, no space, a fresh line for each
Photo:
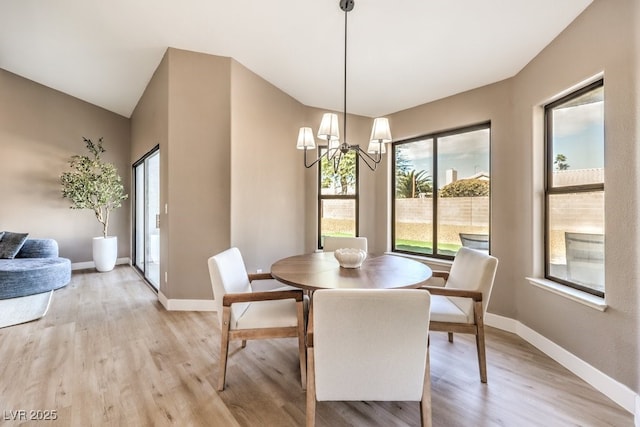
434,136
321,197
551,190
142,161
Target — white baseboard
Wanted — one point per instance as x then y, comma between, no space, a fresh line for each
91,264
500,322
186,304
619,393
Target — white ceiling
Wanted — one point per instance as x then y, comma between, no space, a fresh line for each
402,53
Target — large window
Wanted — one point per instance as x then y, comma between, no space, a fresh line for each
441,200
338,198
574,249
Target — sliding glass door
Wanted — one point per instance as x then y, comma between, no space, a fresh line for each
147,216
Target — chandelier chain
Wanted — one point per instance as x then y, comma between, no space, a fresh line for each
329,127
344,111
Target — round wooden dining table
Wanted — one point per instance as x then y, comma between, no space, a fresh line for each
321,270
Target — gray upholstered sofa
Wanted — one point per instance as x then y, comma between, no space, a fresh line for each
36,268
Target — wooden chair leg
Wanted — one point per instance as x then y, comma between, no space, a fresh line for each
301,344
311,389
480,345
244,343
425,403
224,346
450,336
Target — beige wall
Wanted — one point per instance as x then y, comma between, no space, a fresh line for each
198,170
601,40
267,179
222,130
150,118
40,129
598,41
150,128
186,110
227,132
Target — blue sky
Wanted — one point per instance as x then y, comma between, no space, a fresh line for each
578,133
468,153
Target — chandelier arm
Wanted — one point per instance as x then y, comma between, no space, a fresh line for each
306,165
371,162
375,159
331,152
366,162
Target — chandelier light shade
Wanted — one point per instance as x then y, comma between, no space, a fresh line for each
305,139
380,135
329,129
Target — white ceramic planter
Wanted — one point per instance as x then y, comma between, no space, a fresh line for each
105,252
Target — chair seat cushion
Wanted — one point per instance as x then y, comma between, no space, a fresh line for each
267,314
443,309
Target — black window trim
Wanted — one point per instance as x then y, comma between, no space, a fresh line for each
434,136
550,190
134,230
322,197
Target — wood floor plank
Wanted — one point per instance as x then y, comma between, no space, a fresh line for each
108,354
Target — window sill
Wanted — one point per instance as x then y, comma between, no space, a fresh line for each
584,298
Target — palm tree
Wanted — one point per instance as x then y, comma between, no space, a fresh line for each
561,162
411,184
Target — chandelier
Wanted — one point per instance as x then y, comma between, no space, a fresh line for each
329,127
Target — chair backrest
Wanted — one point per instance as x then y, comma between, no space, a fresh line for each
370,344
228,275
475,241
331,243
472,270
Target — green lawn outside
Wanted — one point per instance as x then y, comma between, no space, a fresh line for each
422,247
417,246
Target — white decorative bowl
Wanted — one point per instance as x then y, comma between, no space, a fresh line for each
350,257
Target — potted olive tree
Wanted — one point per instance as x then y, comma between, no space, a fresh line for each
94,184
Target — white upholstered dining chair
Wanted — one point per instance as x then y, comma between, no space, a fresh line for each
369,345
460,305
245,315
331,243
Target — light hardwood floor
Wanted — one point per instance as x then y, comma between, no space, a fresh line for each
108,353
